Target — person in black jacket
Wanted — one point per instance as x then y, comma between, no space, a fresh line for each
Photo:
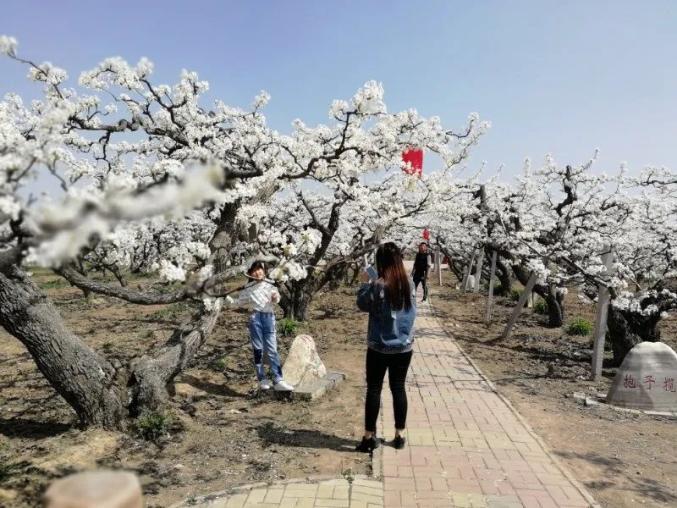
421,267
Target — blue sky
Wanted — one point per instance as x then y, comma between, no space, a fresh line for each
552,77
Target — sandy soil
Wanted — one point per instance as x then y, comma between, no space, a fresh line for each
624,459
221,433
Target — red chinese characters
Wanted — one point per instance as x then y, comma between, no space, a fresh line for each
629,381
669,385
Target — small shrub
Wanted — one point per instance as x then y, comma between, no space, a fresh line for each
153,425
579,326
219,364
540,307
515,294
288,327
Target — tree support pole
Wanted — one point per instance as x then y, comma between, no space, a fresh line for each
520,304
466,274
478,272
599,334
490,296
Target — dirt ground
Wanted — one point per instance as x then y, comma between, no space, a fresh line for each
624,459
221,434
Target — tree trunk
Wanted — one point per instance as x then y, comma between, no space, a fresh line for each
627,329
504,278
549,293
355,277
119,276
101,393
222,241
295,304
555,308
151,376
88,382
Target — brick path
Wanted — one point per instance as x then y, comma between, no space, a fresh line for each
466,447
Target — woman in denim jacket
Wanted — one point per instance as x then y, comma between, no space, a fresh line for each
391,304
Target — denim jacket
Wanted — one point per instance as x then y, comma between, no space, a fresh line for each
389,331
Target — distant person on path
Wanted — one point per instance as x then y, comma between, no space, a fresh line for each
259,294
391,304
421,267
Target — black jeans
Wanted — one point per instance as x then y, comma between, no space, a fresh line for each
397,365
421,279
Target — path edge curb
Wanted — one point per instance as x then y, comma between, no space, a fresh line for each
236,489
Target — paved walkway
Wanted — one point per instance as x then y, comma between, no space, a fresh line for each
467,447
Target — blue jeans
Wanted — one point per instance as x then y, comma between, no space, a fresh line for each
263,338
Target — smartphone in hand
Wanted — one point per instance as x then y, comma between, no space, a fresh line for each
371,271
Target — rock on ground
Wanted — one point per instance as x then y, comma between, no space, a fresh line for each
303,364
647,379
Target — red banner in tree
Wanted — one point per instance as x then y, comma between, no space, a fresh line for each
414,158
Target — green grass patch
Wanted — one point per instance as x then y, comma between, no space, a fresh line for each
287,327
219,364
56,283
154,425
579,326
540,307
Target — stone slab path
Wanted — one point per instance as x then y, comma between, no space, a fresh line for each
466,447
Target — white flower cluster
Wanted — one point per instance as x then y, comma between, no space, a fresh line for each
8,45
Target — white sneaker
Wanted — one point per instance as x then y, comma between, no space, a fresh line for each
283,386
265,384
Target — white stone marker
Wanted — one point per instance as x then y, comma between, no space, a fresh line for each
599,333
647,379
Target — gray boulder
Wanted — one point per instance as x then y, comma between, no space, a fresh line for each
647,379
303,365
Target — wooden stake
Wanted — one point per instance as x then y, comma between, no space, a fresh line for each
599,334
478,272
520,304
490,296
466,274
439,273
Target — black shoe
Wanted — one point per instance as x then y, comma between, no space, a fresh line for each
368,445
399,442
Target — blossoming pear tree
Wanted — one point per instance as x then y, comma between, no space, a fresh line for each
556,222
146,178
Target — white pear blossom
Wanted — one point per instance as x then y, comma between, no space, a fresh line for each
8,45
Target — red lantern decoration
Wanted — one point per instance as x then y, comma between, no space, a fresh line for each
426,235
414,158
